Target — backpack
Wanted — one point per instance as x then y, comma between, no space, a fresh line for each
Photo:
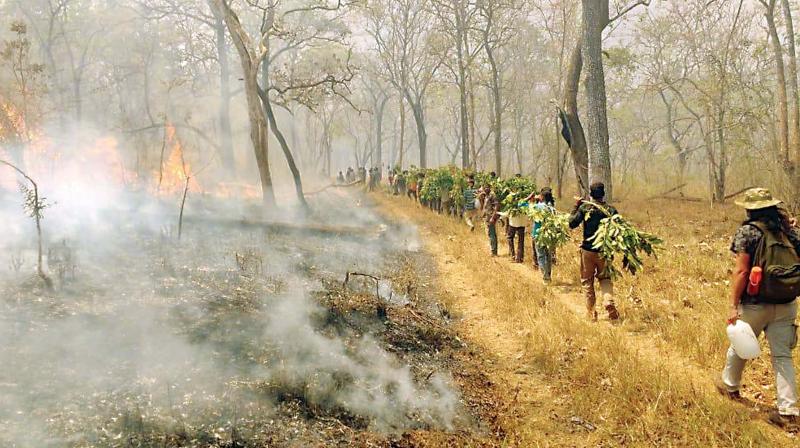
778,259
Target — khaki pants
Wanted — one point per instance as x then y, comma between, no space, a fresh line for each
593,266
778,322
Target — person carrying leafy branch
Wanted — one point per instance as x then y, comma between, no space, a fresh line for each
491,213
593,265
544,254
768,240
470,202
517,221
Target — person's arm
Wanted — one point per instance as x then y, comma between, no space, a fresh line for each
495,209
739,279
576,218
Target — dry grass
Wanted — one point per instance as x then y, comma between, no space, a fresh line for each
647,381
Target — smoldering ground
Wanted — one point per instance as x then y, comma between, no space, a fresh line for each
220,338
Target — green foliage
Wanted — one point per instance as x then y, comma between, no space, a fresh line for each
617,236
510,192
414,176
436,183
483,178
457,191
554,230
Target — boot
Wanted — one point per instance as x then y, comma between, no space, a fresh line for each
613,314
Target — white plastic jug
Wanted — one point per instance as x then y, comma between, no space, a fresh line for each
743,340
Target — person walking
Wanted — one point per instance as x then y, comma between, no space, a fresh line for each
593,266
470,199
491,212
544,254
766,239
517,221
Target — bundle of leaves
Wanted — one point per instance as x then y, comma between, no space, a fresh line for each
616,236
554,226
512,191
483,178
436,182
415,178
459,186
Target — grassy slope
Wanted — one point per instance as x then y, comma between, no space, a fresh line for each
646,381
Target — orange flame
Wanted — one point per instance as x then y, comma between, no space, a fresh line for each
175,170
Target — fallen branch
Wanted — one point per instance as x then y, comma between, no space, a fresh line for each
737,193
684,198
661,195
281,226
351,184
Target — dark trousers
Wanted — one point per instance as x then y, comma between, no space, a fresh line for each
491,228
517,233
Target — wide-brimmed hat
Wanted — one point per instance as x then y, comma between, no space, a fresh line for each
756,199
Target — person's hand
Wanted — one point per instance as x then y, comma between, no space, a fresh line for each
733,317
578,201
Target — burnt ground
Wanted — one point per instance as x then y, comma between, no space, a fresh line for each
240,334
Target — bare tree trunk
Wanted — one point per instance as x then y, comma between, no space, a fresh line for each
669,129
780,88
402,131
595,19
580,156
722,164
791,73
287,152
226,140
379,132
472,141
497,103
422,134
794,97
463,116
273,125
258,123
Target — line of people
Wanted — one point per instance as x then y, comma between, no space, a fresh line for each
585,213
768,242
371,178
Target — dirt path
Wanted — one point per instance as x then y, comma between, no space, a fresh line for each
534,414
537,406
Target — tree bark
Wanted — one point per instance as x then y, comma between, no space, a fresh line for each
287,152
422,135
225,138
497,103
794,99
472,140
402,132
595,19
258,123
669,129
379,132
577,147
780,88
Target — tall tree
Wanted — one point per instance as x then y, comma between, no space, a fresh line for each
251,57
408,51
